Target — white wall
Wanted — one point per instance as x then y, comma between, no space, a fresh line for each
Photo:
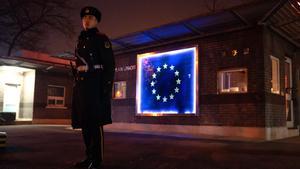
27,96
25,78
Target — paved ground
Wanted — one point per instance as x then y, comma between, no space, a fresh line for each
57,147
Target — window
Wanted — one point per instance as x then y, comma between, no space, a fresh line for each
233,81
55,96
119,90
275,81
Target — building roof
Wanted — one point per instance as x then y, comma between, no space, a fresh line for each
284,19
269,12
37,60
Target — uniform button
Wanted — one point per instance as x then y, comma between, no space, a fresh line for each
91,54
87,38
84,46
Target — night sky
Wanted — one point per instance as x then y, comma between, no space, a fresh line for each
121,17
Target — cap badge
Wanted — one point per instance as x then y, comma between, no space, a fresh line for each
107,44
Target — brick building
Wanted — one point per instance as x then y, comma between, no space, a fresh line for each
36,88
247,73
244,76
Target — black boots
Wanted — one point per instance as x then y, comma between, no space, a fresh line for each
87,164
83,164
95,166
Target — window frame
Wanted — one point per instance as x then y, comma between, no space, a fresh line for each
220,81
62,106
114,94
278,75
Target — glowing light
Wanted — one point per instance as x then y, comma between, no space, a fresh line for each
155,70
172,67
154,75
171,96
160,113
118,94
158,69
152,83
165,99
154,114
17,83
234,52
154,91
296,5
145,55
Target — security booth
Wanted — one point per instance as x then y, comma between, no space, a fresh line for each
233,73
35,88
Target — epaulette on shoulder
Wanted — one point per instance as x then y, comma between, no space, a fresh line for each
102,35
105,39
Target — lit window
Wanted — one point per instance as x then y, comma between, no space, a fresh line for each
233,81
275,81
55,96
119,90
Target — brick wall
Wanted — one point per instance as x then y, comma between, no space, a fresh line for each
280,48
214,109
43,79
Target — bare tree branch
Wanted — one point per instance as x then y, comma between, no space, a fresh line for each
25,22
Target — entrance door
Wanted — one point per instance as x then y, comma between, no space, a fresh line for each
288,94
11,102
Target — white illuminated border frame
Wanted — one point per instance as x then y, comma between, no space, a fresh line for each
140,57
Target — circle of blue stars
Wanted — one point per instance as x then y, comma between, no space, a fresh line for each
154,82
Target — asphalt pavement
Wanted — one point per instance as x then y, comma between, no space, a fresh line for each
59,147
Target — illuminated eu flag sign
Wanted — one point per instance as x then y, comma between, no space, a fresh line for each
166,82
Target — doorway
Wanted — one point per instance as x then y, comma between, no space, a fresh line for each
17,91
11,98
288,84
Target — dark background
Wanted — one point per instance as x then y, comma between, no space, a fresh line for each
121,17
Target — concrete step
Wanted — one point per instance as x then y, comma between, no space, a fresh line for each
292,132
23,122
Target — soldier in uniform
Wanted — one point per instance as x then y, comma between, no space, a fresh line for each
91,104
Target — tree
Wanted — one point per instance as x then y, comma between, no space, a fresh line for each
23,23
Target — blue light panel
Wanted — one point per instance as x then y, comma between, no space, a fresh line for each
166,82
